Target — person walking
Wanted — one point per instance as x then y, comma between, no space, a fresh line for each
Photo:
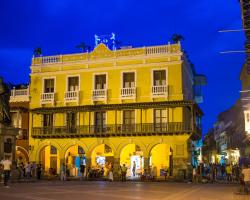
63,172
28,170
6,170
110,175
39,171
124,172
134,168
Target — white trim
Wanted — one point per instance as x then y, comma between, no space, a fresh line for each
93,84
121,83
146,65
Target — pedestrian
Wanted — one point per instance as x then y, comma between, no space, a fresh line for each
39,171
124,172
28,170
63,172
33,170
6,170
229,173
111,177
83,167
134,168
194,180
245,178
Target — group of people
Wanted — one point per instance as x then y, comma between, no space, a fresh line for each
215,172
29,170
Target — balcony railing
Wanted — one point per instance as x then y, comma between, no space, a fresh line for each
128,92
47,98
112,130
160,90
19,94
99,94
71,96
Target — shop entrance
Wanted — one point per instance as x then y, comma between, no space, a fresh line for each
160,160
102,158
74,158
132,157
49,158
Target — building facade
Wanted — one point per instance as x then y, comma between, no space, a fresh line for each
19,110
113,107
245,75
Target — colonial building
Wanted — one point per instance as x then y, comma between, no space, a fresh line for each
107,107
245,75
19,110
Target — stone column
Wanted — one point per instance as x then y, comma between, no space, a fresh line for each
116,169
88,165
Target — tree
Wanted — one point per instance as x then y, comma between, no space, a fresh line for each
175,38
83,47
37,51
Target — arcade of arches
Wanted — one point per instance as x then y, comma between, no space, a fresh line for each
155,155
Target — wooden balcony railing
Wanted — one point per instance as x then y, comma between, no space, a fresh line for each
47,98
112,130
159,90
99,94
71,96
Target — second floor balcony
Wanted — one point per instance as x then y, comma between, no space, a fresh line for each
48,98
99,95
71,96
19,94
143,129
128,93
160,91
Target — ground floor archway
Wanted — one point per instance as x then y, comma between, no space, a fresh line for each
50,160
74,159
132,156
160,160
22,156
102,158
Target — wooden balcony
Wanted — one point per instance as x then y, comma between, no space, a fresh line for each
114,130
18,95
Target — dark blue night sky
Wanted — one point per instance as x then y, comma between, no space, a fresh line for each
59,25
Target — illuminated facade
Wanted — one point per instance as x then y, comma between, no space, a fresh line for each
131,106
245,74
19,110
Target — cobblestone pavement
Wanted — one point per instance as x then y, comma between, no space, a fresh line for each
89,190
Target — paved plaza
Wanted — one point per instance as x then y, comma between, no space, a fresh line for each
89,190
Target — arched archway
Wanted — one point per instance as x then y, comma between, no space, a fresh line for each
74,158
132,156
102,158
22,155
160,160
49,158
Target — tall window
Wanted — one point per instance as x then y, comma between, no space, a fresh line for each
128,120
159,77
100,121
49,86
73,83
71,121
128,80
47,120
160,119
100,82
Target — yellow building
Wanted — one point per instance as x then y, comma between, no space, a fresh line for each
129,106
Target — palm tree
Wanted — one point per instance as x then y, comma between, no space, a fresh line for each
37,51
175,38
83,47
